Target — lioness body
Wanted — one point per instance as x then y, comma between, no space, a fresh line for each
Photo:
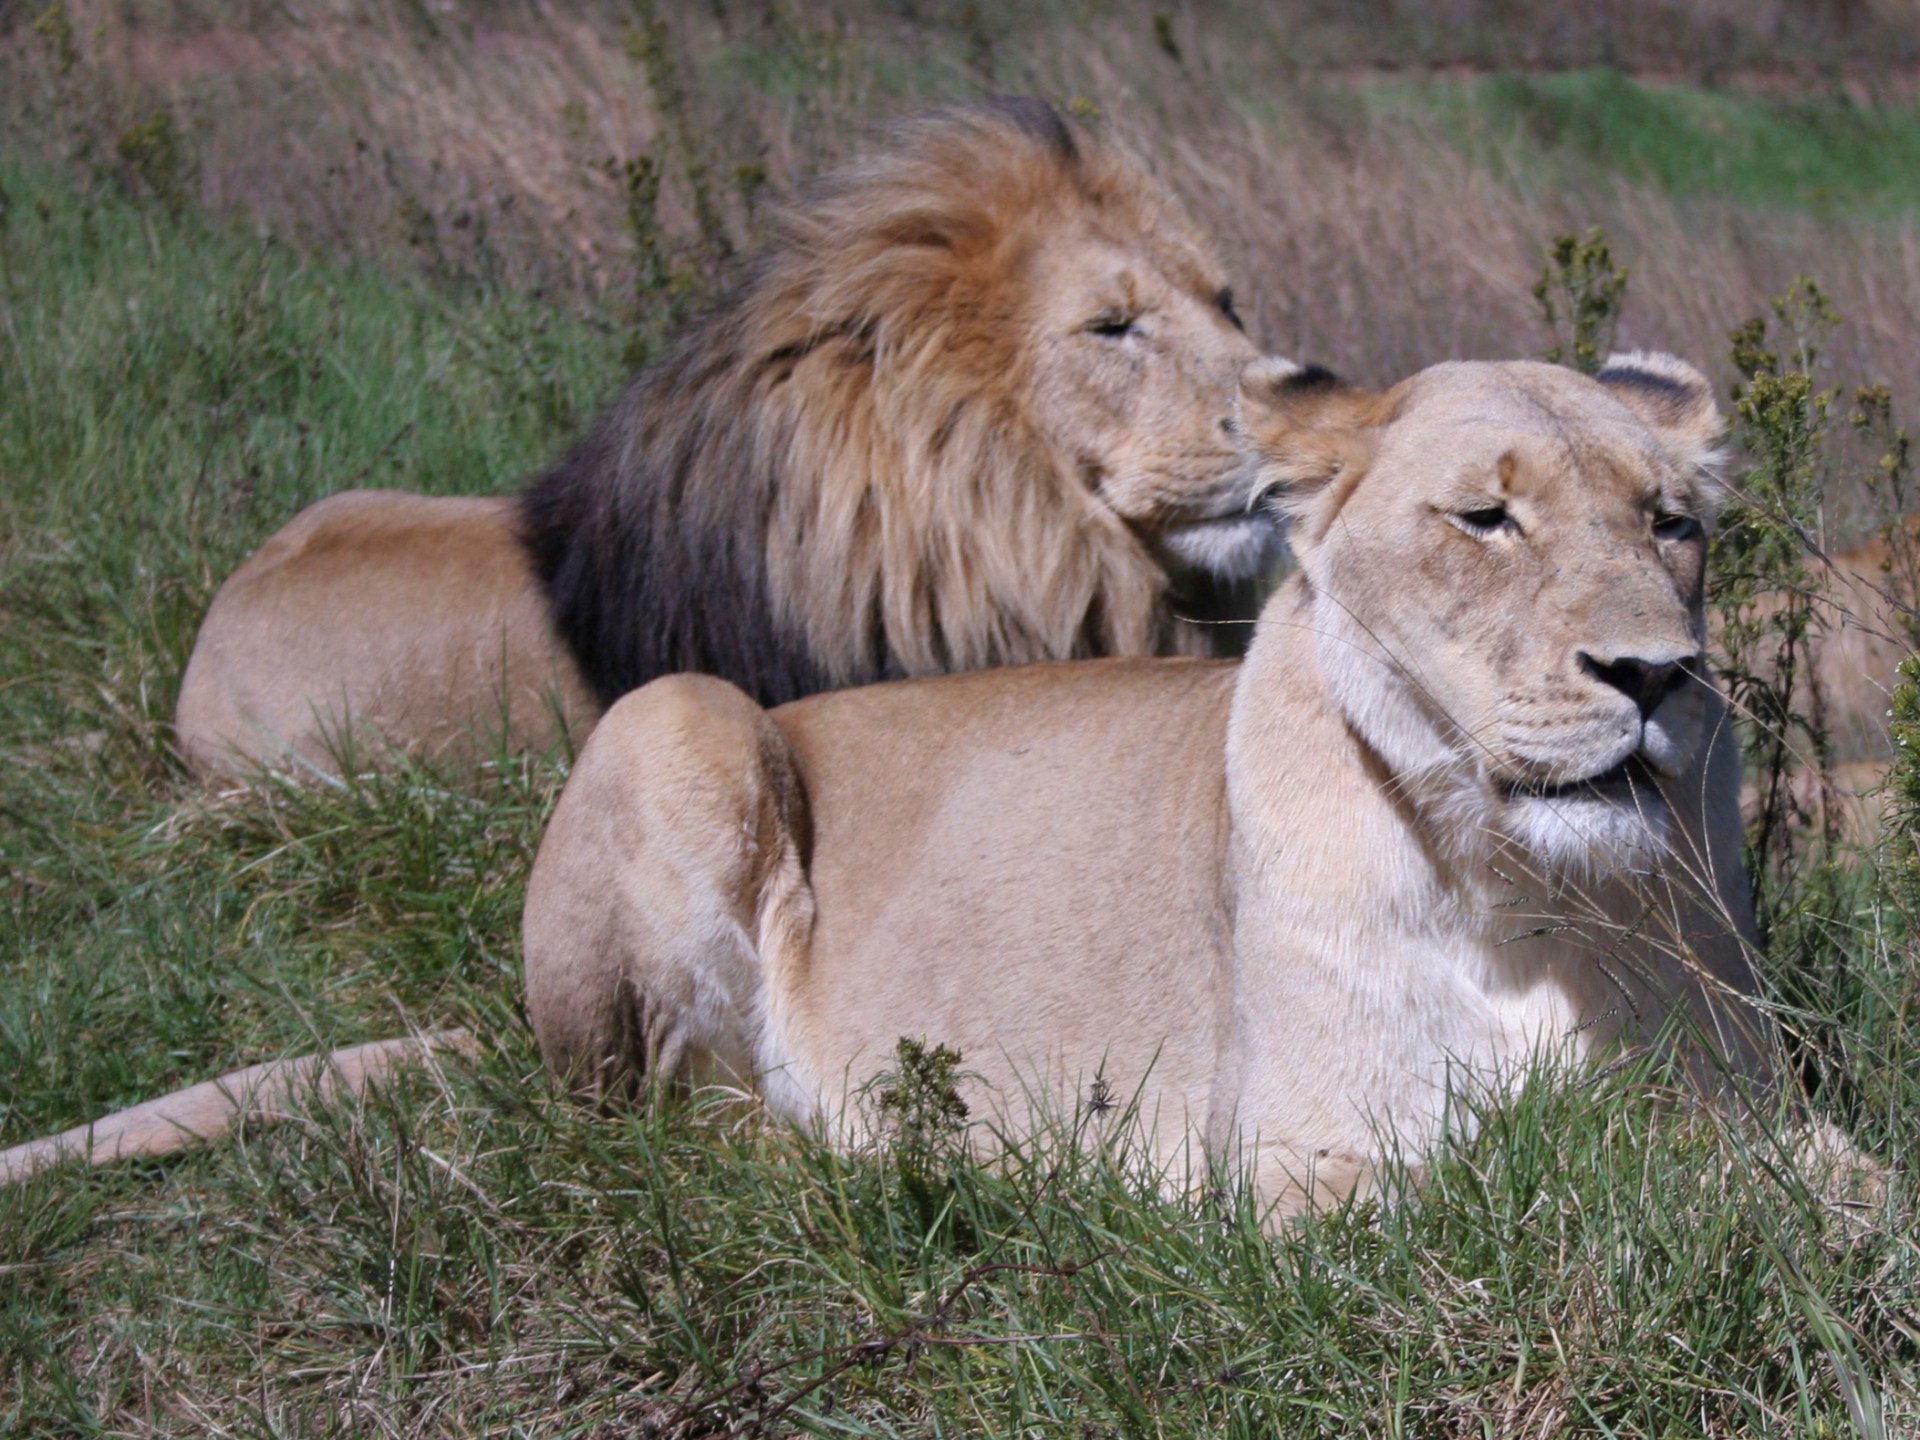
893,787
1866,610
378,616
1469,802
1863,629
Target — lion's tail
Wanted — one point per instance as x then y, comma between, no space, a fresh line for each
275,1090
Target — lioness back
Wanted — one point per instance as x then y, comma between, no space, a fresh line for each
1099,786
856,819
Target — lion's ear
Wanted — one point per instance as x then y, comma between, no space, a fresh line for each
1309,435
1672,398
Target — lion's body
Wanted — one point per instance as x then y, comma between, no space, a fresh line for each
1863,613
402,618
1868,613
1289,903
968,409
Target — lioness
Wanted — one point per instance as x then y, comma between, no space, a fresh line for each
967,409
1470,800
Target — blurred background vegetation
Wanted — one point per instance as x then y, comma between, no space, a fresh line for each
252,253
1382,175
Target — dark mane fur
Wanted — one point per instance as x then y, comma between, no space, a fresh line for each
651,572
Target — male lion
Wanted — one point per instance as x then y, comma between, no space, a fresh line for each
1470,800
970,408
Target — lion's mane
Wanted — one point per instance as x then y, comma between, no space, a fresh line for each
840,476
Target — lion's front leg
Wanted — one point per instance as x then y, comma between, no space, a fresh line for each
671,868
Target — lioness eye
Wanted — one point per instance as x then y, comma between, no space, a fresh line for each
1675,527
1225,301
1112,327
1482,523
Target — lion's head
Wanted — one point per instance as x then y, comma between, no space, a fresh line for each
970,408
1506,564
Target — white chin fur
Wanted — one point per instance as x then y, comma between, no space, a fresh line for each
1593,835
1672,736
1238,547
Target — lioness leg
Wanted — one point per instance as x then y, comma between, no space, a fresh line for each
670,878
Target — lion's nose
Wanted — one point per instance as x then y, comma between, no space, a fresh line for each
1645,682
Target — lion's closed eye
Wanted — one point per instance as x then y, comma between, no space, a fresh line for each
1483,522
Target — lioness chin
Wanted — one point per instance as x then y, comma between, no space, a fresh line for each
1470,801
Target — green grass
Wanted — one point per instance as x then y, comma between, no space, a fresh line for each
1822,154
172,395
471,1252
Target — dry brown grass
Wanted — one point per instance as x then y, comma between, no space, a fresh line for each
492,137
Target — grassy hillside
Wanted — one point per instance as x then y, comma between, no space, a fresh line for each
256,253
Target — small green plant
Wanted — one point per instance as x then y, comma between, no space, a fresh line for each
976,33
157,156
54,26
652,266
1762,593
1889,485
1903,786
650,43
921,1112
920,1103
6,254
1164,37
749,180
1581,293
664,291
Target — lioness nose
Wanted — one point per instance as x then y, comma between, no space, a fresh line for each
1645,682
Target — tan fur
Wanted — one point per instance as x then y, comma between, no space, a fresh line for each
405,619
1290,903
1864,618
904,445
273,1090
1867,609
1423,837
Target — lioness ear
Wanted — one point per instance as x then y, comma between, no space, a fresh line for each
1310,437
1672,398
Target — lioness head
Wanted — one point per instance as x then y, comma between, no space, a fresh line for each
1506,566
